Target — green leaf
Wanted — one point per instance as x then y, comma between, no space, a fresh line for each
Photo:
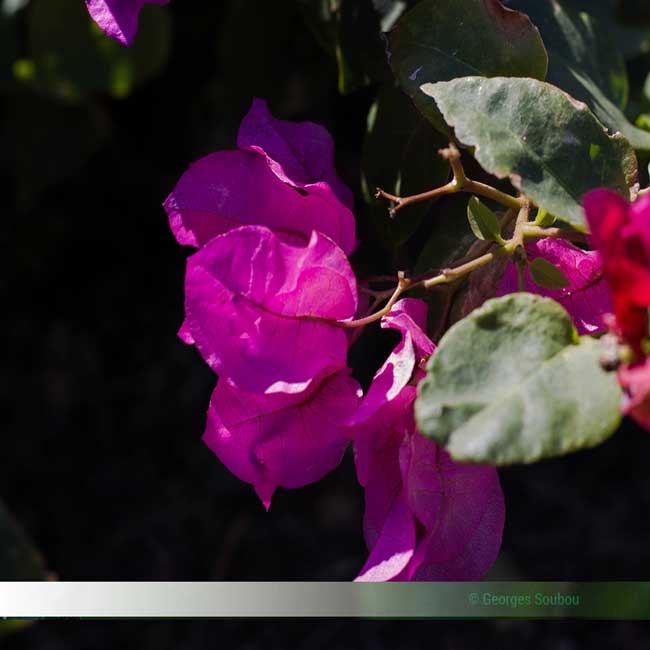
546,275
400,155
584,62
440,40
543,218
513,383
72,58
483,221
19,560
551,147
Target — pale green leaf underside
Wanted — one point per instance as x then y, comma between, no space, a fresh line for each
512,383
550,146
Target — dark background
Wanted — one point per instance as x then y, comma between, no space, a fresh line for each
102,461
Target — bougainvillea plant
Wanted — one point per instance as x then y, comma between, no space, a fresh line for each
523,323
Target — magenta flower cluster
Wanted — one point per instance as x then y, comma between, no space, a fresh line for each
265,296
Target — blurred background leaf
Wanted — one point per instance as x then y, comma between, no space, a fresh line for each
70,58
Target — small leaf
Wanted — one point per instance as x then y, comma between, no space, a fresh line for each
439,40
513,383
544,219
483,221
538,136
547,275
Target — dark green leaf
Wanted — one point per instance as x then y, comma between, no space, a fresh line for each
19,560
584,62
508,385
629,31
552,147
351,30
483,221
72,58
400,155
547,275
440,40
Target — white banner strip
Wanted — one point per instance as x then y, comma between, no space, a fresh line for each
603,600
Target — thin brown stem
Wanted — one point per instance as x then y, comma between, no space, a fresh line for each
459,183
402,285
402,202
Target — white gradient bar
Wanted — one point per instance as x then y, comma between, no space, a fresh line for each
602,600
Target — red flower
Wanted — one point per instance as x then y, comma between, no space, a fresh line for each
621,231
